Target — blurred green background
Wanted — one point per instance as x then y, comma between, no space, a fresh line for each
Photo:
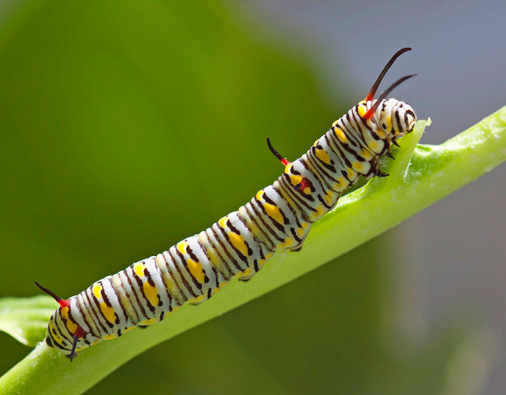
127,126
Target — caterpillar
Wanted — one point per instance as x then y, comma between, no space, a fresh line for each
277,218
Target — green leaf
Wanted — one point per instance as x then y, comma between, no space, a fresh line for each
26,319
434,172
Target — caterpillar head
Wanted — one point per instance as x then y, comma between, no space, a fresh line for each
395,118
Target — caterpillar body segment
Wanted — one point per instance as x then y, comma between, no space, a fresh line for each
279,217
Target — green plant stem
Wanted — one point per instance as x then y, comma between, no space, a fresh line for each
433,172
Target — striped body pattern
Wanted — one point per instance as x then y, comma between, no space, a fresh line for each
277,218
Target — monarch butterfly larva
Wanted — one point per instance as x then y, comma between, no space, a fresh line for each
279,217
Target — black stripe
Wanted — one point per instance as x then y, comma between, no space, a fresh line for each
255,218
184,264
88,311
55,343
107,301
65,333
172,275
289,189
122,274
257,242
178,269
95,309
238,253
85,314
272,203
204,250
162,279
152,283
321,174
222,245
134,293
229,273
98,311
276,224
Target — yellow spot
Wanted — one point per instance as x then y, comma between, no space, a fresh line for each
340,135
351,174
171,284
248,272
382,134
319,212
366,154
295,180
223,222
389,123
288,242
151,293
222,284
254,229
139,269
182,245
196,270
127,329
316,143
51,329
304,225
215,259
65,313
149,321
175,308
357,166
323,156
198,299
71,326
96,341
274,212
215,290
288,167
260,194
261,262
328,198
341,183
212,254
334,125
307,190
108,312
268,255
110,337
238,242
373,145
97,289
361,110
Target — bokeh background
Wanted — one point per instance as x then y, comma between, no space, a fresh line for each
127,126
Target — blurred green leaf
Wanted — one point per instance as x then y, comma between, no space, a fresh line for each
26,319
128,126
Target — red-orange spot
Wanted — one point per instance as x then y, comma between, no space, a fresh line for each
305,183
80,332
64,302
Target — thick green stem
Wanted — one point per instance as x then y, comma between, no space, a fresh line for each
433,172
